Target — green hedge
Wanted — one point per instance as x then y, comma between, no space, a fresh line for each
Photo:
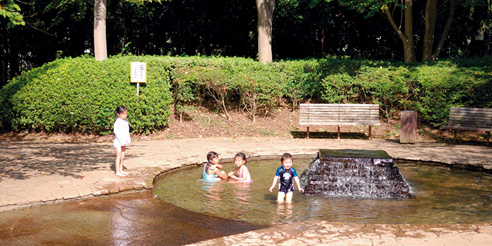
80,94
227,83
430,89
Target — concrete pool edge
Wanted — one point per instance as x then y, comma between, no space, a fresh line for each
148,159
338,233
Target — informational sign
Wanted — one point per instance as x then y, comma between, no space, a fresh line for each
138,72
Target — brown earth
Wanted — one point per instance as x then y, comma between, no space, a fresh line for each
202,123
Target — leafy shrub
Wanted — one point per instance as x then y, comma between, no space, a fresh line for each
80,94
387,87
444,85
229,83
259,90
341,88
430,89
302,80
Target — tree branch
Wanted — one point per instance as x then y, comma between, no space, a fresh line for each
40,30
393,24
445,32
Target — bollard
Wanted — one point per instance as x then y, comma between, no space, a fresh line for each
408,132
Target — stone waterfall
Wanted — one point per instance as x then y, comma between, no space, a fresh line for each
366,174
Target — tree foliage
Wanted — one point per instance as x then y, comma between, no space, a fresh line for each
302,29
79,94
11,11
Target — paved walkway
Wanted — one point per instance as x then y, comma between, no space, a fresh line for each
34,173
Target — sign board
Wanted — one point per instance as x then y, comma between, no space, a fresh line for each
138,72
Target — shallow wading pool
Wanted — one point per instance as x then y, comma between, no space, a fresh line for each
443,196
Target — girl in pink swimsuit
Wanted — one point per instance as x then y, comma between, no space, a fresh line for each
241,172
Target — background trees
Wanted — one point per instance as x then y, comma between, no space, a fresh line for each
301,29
400,15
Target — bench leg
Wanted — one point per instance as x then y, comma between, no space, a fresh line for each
307,132
338,135
455,133
370,136
488,137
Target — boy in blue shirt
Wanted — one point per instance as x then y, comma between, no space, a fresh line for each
287,176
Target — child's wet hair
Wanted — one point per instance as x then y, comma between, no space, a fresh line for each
120,109
211,155
242,155
285,156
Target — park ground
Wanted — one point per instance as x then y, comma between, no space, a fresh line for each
43,169
284,123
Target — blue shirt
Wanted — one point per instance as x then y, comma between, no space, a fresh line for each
286,178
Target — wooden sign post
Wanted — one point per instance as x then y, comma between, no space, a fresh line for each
138,73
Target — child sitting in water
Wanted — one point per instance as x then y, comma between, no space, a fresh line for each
241,170
211,170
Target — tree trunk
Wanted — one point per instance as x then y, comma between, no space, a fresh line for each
408,51
100,47
265,10
445,32
406,36
430,27
408,44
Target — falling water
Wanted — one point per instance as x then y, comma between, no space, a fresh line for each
369,174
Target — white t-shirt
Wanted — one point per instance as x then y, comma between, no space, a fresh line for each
121,130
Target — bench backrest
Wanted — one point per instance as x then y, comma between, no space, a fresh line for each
338,114
470,117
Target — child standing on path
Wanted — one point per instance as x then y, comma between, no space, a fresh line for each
122,139
211,170
287,175
241,169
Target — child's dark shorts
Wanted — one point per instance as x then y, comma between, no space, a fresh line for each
286,189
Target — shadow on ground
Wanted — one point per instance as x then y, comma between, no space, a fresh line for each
329,135
21,160
462,138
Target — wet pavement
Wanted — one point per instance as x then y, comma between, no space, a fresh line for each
33,173
123,219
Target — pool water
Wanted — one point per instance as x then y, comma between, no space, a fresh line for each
443,196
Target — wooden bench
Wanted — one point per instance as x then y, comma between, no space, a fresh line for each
470,119
316,114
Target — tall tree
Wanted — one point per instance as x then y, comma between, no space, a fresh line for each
265,10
